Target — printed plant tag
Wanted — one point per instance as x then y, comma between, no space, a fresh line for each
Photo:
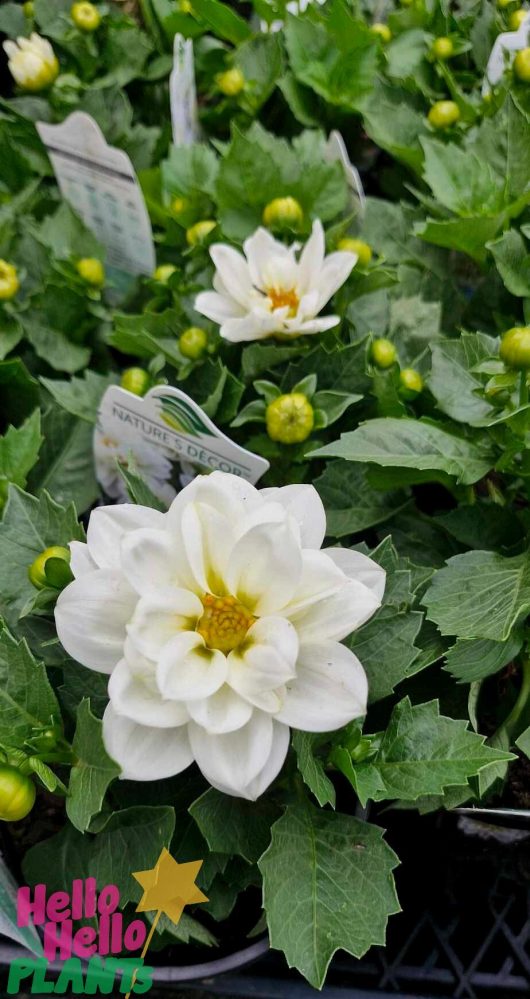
336,150
182,93
509,41
100,184
169,439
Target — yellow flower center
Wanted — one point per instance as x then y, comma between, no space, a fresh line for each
224,623
282,297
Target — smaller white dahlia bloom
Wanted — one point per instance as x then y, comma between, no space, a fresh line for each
220,624
153,466
32,62
269,292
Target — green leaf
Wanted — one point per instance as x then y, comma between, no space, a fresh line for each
461,181
342,370
352,505
53,346
80,396
413,326
258,358
470,660
395,120
406,54
423,753
513,262
327,884
19,390
27,936
138,490
93,771
330,405
387,227
26,697
190,171
233,825
468,235
260,60
131,840
417,444
312,767
19,450
471,524
28,527
65,468
223,20
453,383
480,595
66,236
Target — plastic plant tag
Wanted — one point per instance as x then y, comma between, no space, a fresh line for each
508,41
336,150
165,434
100,184
182,93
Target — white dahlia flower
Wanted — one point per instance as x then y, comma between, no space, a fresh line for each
152,465
269,292
220,624
32,62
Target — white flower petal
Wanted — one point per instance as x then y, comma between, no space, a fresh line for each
158,618
265,663
329,691
336,269
187,670
294,327
143,752
357,566
265,568
108,526
233,270
337,615
304,504
259,249
138,698
254,326
150,561
224,711
81,560
232,760
311,260
90,617
275,761
320,579
216,307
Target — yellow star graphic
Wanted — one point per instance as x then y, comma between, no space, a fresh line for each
169,886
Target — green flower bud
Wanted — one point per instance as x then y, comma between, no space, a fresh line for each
135,380
231,82
179,205
410,383
163,273
91,270
85,16
442,48
443,114
9,282
358,246
382,30
516,19
384,354
290,418
283,213
199,232
515,348
193,342
17,794
29,8
56,574
521,65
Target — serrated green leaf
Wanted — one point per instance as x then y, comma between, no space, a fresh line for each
232,825
80,396
352,505
470,659
93,770
457,389
327,884
26,697
65,469
422,753
138,490
312,767
513,262
19,450
480,595
413,444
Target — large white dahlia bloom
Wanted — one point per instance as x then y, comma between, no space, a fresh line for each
220,624
268,291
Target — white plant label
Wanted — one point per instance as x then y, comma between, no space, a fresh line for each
508,42
168,437
183,94
99,182
336,150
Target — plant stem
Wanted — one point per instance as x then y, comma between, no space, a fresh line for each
519,717
523,389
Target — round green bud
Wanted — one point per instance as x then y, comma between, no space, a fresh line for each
178,206
515,348
85,16
358,246
290,418
9,282
283,213
383,353
443,114
92,271
163,273
382,30
521,65
516,19
28,8
17,794
503,4
40,575
231,82
193,342
199,232
136,380
410,383
442,48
